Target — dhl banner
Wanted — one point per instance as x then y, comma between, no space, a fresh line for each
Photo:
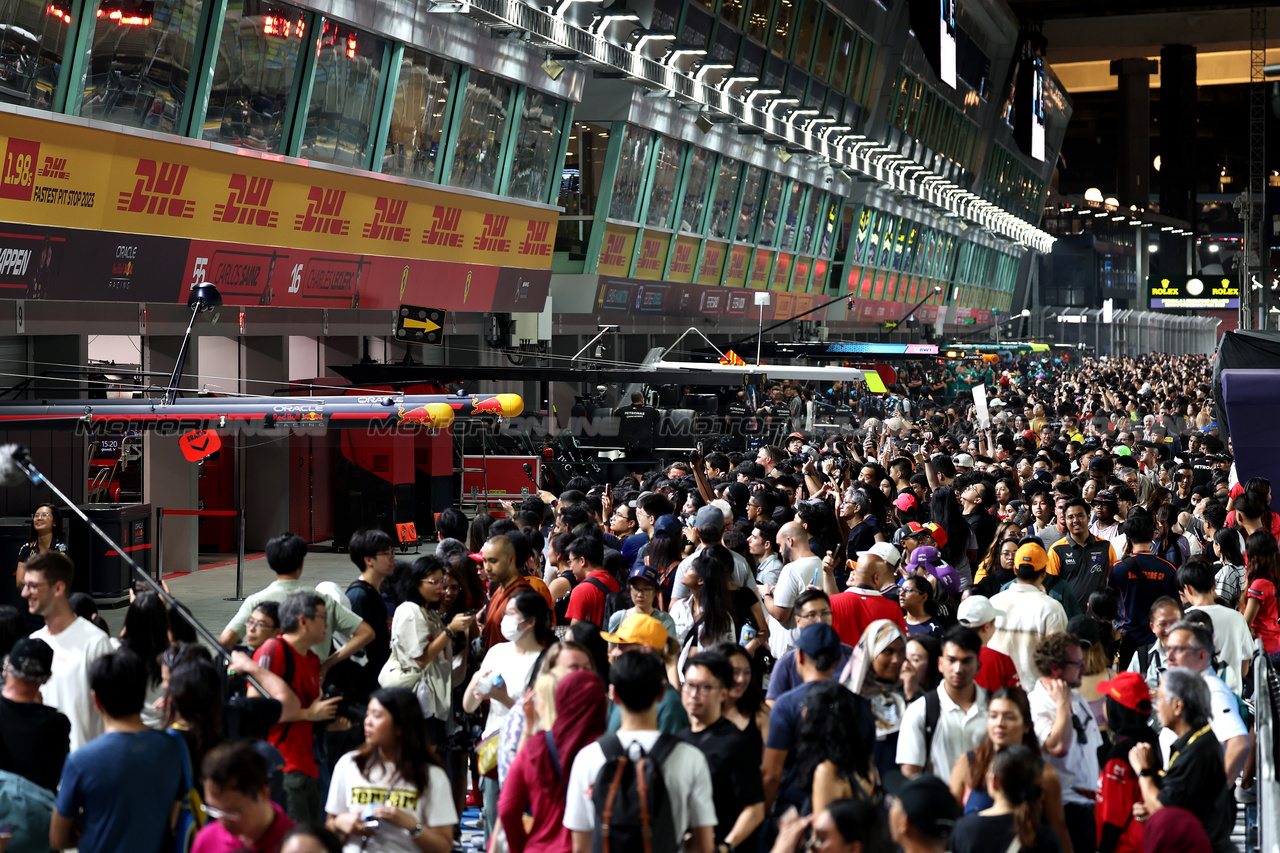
653,254
617,249
85,178
739,259
782,271
761,266
713,255
682,262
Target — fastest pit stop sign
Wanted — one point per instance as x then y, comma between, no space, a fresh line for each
418,325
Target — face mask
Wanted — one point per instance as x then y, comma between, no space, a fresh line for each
511,629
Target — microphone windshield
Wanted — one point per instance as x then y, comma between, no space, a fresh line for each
10,473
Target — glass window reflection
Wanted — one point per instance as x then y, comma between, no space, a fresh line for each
477,153
722,207
258,54
662,193
630,175
140,62
536,144
772,207
697,184
340,115
809,221
417,119
791,216
33,35
752,187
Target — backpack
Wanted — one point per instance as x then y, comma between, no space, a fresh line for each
613,601
630,799
191,814
932,711
29,808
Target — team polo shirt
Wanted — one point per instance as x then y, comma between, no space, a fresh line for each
1085,566
1141,579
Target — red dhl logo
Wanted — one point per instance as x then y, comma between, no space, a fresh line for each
614,247
493,237
158,191
246,203
535,241
443,230
650,258
737,263
710,261
323,214
683,261
56,168
388,221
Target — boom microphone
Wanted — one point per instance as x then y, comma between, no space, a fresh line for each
16,468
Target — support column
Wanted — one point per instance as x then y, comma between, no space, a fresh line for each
1134,160
1178,131
168,479
266,460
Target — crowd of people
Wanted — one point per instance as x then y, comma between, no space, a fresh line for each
1031,631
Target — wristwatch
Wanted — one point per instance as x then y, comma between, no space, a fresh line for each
451,634
724,847
1150,771
416,831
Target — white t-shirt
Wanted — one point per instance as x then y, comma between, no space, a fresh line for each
742,576
413,627
958,732
684,773
1079,767
1232,641
74,651
352,791
796,577
513,665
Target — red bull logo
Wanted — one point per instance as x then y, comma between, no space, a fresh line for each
431,415
503,405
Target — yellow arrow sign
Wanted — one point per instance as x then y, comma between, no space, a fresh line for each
425,325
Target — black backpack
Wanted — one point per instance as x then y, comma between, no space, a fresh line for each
613,601
630,799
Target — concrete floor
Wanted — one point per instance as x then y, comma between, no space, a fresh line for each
206,591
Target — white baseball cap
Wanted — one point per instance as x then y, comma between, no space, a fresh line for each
976,611
885,551
962,460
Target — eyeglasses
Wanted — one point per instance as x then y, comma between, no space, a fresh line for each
695,687
433,581
260,625
219,814
1179,650
34,585
43,515
809,617
387,553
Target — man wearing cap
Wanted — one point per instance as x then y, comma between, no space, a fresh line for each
1105,525
1140,578
1117,782
817,655
1080,558
34,736
801,568
957,708
863,602
708,529
997,668
641,633
1067,730
922,815
1028,612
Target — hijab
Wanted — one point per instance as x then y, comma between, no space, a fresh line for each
1174,830
858,675
580,720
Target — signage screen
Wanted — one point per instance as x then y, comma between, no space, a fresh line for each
1213,292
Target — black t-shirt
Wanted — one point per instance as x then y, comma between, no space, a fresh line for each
735,772
638,426
1197,781
861,538
978,833
34,741
249,717
984,526
356,681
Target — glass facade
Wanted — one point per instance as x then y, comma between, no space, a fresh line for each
752,186
33,35
662,192
726,191
696,188
417,118
348,70
772,208
140,63
537,141
255,75
482,131
630,176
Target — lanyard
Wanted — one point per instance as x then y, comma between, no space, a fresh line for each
1190,741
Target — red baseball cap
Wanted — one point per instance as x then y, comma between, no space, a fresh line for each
935,530
1130,690
905,501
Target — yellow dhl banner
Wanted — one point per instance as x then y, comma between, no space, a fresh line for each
53,173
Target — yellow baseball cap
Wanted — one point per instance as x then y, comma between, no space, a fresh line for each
638,628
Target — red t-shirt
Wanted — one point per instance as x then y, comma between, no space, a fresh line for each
1117,792
1265,626
997,670
587,600
293,739
853,610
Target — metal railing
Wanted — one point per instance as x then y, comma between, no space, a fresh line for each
1266,699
